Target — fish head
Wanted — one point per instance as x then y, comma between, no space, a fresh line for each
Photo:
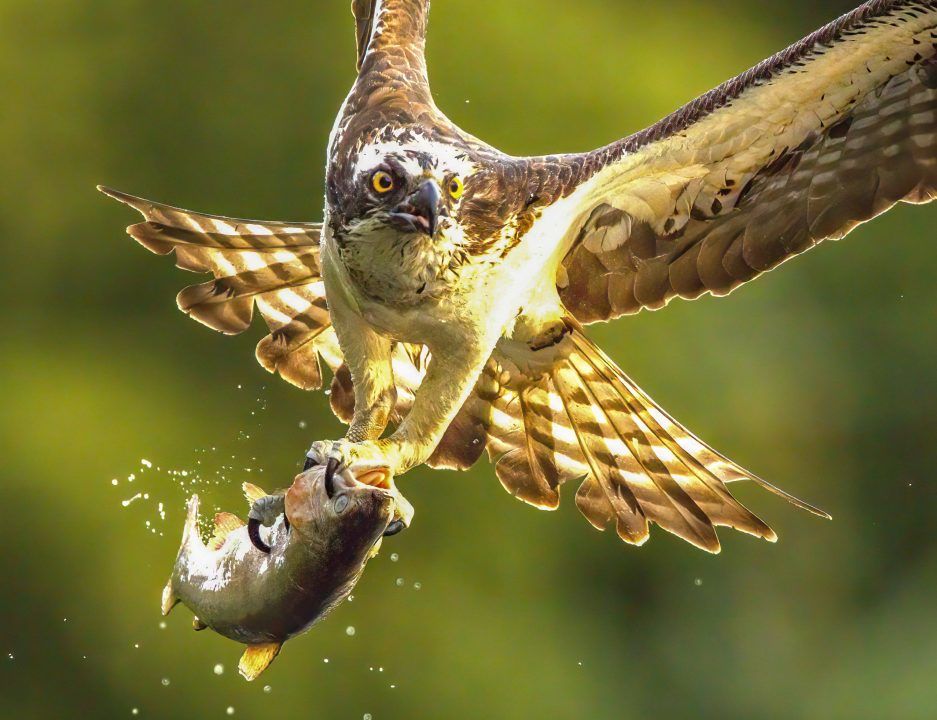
353,512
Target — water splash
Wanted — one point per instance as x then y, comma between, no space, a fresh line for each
128,501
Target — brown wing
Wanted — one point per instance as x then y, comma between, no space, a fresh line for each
271,265
805,146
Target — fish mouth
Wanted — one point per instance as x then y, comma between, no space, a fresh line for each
378,478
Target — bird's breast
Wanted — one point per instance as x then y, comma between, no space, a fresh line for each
401,269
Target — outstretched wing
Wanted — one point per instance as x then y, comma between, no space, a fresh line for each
803,147
272,266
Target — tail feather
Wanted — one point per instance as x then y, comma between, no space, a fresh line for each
568,413
676,489
680,440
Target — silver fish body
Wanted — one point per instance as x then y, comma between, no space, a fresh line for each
315,560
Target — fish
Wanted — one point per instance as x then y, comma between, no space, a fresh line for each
316,551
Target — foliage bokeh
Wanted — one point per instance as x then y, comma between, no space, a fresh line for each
820,377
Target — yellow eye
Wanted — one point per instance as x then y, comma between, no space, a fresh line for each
382,182
456,188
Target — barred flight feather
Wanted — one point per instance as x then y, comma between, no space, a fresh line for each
804,147
271,265
585,420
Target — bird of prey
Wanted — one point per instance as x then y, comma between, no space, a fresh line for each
448,285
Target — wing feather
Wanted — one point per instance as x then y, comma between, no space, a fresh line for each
273,266
804,147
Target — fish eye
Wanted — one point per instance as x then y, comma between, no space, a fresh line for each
341,503
456,188
382,182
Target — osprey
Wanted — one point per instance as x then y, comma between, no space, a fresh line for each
449,283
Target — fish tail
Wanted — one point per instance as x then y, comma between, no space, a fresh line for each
190,534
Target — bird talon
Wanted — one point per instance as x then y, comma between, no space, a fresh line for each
394,527
265,511
330,469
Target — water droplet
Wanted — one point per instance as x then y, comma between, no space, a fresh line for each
146,463
367,716
394,557
417,585
698,582
399,582
392,687
267,688
325,660
162,624
125,503
380,669
165,682
114,481
135,711
350,630
302,424
11,656
136,646
229,710
218,669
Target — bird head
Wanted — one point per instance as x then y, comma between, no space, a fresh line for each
412,189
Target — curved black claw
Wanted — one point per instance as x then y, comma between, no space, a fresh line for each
265,511
330,467
253,532
395,527
308,463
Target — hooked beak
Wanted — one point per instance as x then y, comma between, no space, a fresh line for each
421,211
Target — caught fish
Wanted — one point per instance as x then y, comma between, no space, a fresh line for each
261,591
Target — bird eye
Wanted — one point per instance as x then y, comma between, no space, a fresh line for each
341,502
382,182
456,188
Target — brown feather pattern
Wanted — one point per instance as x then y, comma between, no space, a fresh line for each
271,265
803,147
723,191
585,419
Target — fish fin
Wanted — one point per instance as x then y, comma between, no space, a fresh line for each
190,532
198,624
256,659
169,598
225,523
252,492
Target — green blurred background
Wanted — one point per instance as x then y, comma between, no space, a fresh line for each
820,377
